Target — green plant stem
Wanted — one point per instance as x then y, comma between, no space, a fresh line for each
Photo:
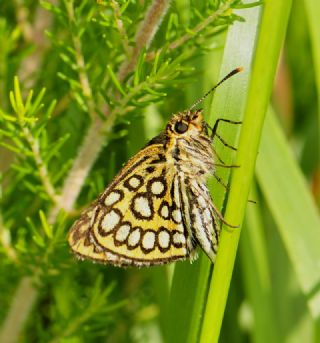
43,171
92,145
81,65
34,34
196,30
145,34
117,14
272,30
5,240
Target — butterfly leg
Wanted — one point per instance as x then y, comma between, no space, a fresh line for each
217,156
226,166
224,142
221,217
219,120
226,187
215,134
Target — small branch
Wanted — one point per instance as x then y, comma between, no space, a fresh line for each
22,20
200,27
92,145
145,34
5,240
43,171
23,301
33,34
83,77
120,26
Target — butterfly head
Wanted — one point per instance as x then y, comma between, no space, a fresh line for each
187,124
188,143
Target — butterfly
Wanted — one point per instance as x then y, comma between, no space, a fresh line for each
158,208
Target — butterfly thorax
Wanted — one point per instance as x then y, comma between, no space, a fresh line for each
188,146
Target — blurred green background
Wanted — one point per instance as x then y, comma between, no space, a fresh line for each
83,86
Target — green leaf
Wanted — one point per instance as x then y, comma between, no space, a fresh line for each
138,73
115,80
36,105
10,147
257,278
37,238
29,99
293,209
8,117
16,101
46,227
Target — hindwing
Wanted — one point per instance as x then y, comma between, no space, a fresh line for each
138,220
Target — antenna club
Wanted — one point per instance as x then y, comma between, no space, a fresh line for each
233,72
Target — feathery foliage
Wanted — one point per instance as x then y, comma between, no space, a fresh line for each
83,86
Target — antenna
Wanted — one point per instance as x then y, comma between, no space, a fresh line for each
233,72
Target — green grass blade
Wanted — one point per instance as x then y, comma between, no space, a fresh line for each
186,300
257,276
293,210
313,14
272,31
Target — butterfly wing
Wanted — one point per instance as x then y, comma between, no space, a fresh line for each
138,220
204,223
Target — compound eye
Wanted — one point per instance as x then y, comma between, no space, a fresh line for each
180,127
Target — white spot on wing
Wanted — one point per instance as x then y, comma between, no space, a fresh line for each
164,211
111,257
112,198
141,205
122,233
179,238
148,240
176,214
134,238
164,239
157,187
110,220
134,182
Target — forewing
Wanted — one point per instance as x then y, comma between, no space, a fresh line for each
138,219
